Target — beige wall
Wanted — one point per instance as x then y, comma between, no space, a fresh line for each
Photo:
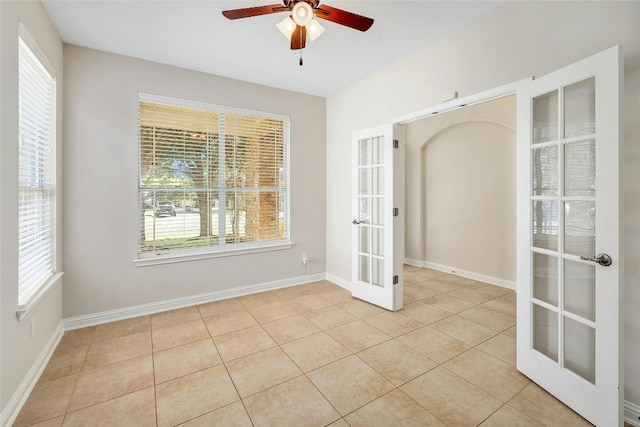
460,175
19,351
101,93
515,41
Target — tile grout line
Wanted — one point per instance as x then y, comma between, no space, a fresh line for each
304,314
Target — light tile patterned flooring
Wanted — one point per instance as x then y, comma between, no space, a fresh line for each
308,355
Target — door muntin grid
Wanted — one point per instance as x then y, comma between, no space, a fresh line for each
371,208
563,225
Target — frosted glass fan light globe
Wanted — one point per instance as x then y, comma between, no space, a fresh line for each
302,13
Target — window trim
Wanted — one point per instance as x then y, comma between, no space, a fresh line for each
219,251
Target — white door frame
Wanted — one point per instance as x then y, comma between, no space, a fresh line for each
456,104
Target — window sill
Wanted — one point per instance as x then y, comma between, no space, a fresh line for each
169,258
31,302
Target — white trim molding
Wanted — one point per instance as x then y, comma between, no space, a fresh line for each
632,413
464,273
19,398
157,307
454,104
345,284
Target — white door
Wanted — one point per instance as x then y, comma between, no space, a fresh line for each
569,335
377,221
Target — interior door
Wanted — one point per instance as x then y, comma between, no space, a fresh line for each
569,333
377,223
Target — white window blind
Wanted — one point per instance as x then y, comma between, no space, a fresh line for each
211,178
37,186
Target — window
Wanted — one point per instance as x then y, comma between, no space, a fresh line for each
212,180
36,182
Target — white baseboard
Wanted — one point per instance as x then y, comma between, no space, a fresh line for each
156,307
632,413
339,281
464,273
17,401
19,398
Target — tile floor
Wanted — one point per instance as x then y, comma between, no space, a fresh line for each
308,355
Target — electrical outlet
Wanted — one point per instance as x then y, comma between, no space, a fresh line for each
305,258
32,328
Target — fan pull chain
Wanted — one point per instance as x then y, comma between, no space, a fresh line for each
301,62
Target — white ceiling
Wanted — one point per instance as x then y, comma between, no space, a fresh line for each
195,35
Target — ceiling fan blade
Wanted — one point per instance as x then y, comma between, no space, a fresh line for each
253,11
299,37
343,17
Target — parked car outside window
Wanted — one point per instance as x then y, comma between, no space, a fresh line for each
165,207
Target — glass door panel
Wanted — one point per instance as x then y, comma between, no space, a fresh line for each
545,224
377,185
377,211
580,289
580,108
365,238
545,278
364,269
580,228
580,349
377,273
545,332
580,168
545,118
545,171
377,243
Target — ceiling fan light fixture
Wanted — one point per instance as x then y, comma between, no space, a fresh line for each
302,13
314,29
286,27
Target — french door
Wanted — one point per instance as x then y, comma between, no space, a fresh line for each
569,333
377,239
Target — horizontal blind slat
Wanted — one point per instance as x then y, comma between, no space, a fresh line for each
36,211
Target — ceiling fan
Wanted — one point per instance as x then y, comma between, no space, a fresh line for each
301,22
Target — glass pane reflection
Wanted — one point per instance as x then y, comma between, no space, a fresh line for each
365,233
580,349
377,272
580,289
377,241
378,151
363,274
545,224
580,228
377,174
545,171
545,332
545,278
580,168
365,152
545,117
364,206
580,108
377,211
365,179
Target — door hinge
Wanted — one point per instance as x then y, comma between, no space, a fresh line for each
396,212
395,143
395,279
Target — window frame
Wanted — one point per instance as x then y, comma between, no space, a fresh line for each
222,250
27,298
